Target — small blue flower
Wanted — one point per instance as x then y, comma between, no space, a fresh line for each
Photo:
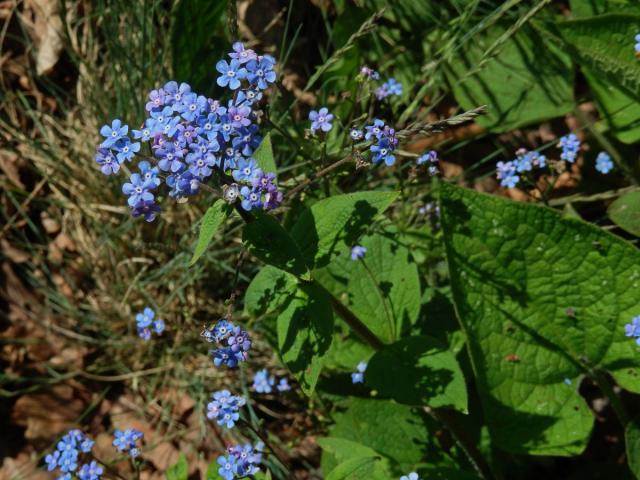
170,158
632,329
374,130
149,173
156,100
239,341
410,476
144,134
224,408
228,467
138,190
231,73
321,120
145,318
506,173
52,460
243,55
430,157
68,461
159,326
356,134
283,385
108,162
570,146
149,210
260,72
251,198
239,116
113,133
247,170
604,163
358,252
382,151
126,441
358,376
262,381
225,356
126,150
637,46
90,471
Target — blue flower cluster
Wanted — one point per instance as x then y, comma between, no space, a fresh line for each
358,375
390,87
191,136
358,252
431,159
126,441
263,382
570,146
632,329
604,164
233,343
385,142
145,321
368,73
241,461
321,120
66,456
224,408
508,172
637,46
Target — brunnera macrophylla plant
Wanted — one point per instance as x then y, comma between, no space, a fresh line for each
342,290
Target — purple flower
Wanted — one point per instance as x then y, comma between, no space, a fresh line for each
156,100
243,55
430,157
239,116
148,209
506,173
374,130
107,161
239,341
320,120
231,72
251,198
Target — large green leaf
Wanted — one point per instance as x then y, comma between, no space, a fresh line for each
213,218
383,290
268,290
265,238
361,468
179,470
605,44
264,155
526,80
343,449
418,371
632,443
541,298
392,430
332,225
625,212
587,8
604,47
305,328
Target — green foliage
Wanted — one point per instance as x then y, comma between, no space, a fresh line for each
418,371
393,430
632,439
264,155
527,79
361,468
198,40
604,47
332,225
211,222
268,290
305,328
625,212
265,238
541,299
180,470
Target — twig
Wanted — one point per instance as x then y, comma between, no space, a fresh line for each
556,202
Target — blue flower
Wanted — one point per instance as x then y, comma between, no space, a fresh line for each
225,356
138,189
260,72
356,134
90,471
145,320
632,329
506,173
382,151
170,158
201,166
283,385
637,46
390,87
262,381
228,467
247,458
410,476
239,341
570,146
224,408
158,120
320,120
366,72
232,73
247,170
374,130
52,460
126,150
358,376
149,173
113,133
247,140
604,163
159,326
239,116
357,252
156,100
126,441
251,198
191,106
243,55
107,160
147,209
68,461
430,157
144,134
